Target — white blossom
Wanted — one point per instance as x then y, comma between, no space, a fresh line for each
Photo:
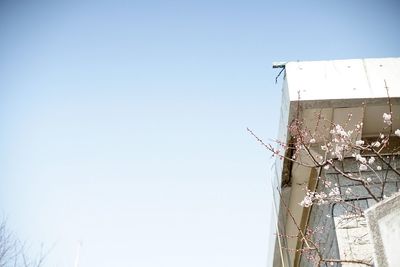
307,201
334,195
359,142
361,159
369,179
363,167
387,118
338,130
320,198
371,160
376,144
338,152
397,132
334,192
379,168
312,140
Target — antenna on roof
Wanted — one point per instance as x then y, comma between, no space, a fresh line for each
278,65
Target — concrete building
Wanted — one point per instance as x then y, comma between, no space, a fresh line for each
332,90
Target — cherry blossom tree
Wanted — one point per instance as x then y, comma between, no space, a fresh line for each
374,160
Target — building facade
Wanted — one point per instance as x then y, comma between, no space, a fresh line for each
336,156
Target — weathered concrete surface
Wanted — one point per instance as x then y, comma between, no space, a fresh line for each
344,236
383,220
353,239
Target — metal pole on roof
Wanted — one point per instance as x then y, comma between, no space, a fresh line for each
278,65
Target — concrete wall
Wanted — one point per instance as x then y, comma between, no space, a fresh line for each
343,79
340,235
384,224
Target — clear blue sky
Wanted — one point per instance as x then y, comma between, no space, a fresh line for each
123,123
